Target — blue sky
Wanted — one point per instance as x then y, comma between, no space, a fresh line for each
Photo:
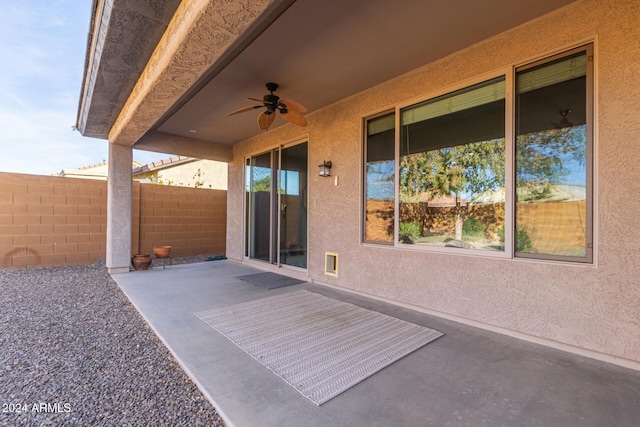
42,46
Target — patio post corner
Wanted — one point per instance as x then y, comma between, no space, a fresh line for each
119,223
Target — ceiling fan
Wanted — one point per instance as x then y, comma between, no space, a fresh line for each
564,123
289,110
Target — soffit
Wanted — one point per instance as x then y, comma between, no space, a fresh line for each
122,37
320,52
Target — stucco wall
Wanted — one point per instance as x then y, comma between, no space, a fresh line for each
595,308
199,174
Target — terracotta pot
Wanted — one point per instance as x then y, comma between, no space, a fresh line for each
162,251
141,261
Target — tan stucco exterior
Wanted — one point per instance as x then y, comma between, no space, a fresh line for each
593,309
590,309
208,174
182,56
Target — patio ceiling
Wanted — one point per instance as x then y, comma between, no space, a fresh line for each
319,52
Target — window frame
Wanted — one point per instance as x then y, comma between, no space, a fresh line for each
588,49
363,210
509,73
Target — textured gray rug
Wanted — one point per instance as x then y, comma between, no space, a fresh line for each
269,280
318,345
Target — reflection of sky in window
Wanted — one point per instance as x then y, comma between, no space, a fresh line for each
259,178
380,184
290,183
573,172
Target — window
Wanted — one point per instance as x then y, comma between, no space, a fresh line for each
452,169
464,172
553,160
379,181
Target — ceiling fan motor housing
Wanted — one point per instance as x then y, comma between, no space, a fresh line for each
271,102
271,99
272,87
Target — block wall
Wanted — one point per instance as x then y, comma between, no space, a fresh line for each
191,220
52,221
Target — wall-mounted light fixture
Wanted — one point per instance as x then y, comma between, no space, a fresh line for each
325,168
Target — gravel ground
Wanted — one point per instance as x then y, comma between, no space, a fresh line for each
75,352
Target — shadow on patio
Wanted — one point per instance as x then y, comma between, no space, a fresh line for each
468,377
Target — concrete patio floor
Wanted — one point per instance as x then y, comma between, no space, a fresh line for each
469,377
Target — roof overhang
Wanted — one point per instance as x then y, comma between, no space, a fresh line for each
122,37
163,77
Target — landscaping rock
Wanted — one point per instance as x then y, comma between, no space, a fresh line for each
75,352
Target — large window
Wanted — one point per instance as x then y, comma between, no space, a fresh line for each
553,160
452,169
467,172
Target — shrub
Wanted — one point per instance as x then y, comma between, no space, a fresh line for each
523,241
473,228
409,232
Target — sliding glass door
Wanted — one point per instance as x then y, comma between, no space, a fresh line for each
276,199
293,206
260,221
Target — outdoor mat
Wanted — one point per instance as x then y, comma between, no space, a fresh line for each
270,280
318,345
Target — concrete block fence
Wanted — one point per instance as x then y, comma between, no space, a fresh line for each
52,221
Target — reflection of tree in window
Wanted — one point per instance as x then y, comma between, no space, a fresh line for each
452,169
452,159
551,157
470,173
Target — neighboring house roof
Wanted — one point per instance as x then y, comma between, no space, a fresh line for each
97,171
438,201
184,172
101,170
171,171
162,164
554,193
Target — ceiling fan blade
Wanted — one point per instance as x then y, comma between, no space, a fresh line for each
242,110
255,100
293,105
265,119
295,118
